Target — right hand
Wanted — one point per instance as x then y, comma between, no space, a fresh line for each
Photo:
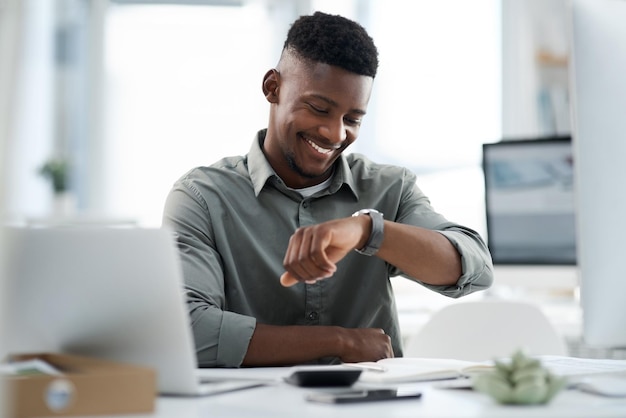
364,344
314,250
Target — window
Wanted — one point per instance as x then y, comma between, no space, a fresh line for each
183,88
437,97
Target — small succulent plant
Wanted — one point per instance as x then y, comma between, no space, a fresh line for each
522,380
57,171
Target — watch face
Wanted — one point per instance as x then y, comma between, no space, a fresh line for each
365,212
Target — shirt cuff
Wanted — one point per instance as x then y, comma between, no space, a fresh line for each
475,261
235,333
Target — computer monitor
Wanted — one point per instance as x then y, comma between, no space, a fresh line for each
529,201
598,86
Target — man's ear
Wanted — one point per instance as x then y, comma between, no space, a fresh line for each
271,80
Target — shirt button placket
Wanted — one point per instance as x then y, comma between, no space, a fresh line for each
313,291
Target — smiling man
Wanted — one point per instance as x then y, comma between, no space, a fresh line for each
287,252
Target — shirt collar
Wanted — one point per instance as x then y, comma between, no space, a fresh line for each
259,168
261,171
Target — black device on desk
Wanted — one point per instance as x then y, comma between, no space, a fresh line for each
323,377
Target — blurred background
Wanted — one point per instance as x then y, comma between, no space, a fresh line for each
127,95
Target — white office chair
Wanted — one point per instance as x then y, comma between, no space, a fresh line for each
484,330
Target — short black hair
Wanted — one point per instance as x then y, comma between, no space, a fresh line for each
333,40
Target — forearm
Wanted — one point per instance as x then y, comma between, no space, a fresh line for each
421,253
286,345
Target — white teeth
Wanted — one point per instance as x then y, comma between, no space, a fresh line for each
318,148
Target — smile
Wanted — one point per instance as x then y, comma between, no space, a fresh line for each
321,150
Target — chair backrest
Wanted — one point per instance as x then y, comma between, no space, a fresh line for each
484,330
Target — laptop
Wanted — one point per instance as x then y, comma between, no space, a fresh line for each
103,292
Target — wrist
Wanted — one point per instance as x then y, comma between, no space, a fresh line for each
366,223
343,343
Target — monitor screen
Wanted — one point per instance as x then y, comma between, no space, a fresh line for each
529,200
598,71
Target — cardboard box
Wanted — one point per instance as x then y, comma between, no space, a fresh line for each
87,386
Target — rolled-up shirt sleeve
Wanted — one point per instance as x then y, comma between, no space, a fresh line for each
475,261
415,209
221,337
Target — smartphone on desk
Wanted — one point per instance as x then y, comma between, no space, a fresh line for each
365,395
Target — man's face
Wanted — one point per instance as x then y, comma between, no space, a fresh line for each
316,114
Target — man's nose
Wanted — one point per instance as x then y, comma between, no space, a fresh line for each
334,130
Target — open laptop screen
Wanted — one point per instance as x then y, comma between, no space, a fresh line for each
110,293
529,198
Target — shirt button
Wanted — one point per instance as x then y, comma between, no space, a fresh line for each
305,204
313,316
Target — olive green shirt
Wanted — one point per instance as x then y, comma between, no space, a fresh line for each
232,222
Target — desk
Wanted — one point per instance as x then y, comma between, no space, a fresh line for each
285,401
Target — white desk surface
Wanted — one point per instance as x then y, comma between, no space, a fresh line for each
283,400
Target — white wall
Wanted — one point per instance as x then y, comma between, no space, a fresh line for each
10,42
535,49
30,113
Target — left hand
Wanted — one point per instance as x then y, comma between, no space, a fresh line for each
313,251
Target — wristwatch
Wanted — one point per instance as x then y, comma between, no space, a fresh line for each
376,236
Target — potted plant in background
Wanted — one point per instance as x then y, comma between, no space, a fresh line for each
57,170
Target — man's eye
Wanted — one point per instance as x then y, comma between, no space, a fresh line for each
352,122
318,109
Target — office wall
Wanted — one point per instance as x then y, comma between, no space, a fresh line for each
535,50
10,42
29,106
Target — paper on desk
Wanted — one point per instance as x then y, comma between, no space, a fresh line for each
31,366
604,377
572,367
408,369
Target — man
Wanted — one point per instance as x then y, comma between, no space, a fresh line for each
267,240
